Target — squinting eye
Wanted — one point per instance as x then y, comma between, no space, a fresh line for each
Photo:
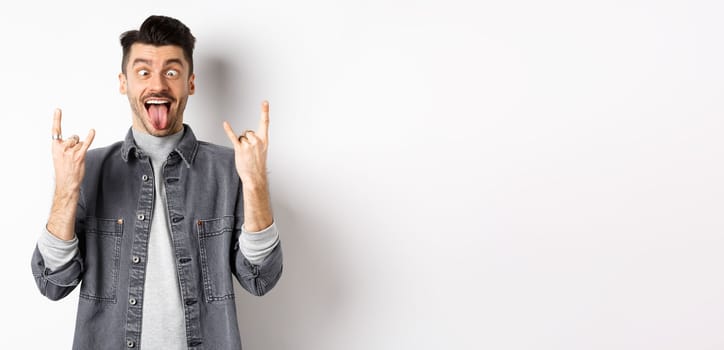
143,72
171,73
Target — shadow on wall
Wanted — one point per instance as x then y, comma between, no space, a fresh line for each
214,100
308,296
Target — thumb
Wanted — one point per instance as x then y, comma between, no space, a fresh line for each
88,140
230,134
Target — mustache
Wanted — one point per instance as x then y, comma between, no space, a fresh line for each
158,95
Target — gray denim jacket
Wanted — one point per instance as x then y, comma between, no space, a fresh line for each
113,222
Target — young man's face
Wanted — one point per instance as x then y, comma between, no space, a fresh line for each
158,83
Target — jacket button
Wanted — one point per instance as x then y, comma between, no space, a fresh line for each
136,260
130,344
141,217
144,177
132,301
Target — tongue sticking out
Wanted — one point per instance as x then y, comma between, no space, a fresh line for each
159,116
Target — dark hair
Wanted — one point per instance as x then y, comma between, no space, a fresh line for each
159,31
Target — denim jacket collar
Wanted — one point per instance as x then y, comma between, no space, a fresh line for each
186,148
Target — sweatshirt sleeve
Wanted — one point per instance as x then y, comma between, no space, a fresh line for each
56,265
55,251
256,246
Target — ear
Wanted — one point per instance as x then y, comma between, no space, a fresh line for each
192,84
123,83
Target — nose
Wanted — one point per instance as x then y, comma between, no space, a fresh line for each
157,83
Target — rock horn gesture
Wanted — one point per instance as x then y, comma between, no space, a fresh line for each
69,164
250,149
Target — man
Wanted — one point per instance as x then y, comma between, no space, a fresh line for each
154,227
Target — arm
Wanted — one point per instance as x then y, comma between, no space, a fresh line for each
69,164
250,150
56,262
259,264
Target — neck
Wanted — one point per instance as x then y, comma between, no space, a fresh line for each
156,147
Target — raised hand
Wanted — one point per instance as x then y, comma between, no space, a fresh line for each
69,164
250,151
68,157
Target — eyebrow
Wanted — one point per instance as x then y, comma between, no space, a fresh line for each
148,62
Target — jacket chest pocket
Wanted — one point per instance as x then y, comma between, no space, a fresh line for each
102,250
215,239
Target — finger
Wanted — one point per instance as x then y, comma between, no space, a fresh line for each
56,122
250,137
77,146
71,141
264,121
88,140
230,133
244,136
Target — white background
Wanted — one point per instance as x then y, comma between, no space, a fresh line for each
445,174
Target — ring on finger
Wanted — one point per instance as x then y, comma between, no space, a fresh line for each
56,137
243,134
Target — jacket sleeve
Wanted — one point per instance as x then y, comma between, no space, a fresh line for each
57,282
257,279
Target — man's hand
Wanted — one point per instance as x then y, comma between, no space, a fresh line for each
250,150
69,164
68,158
